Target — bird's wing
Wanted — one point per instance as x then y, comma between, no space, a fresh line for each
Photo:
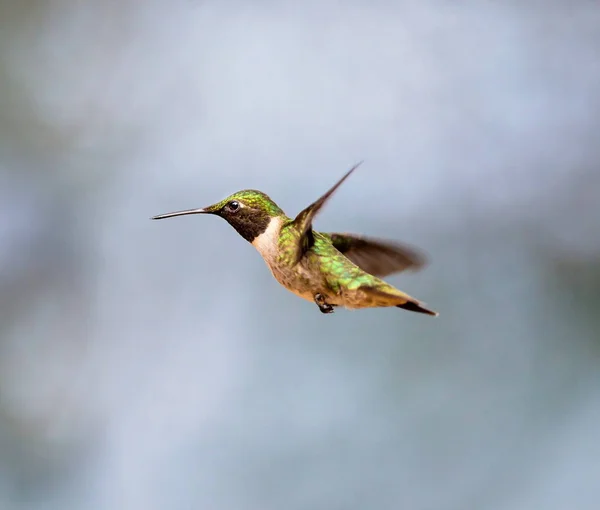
303,222
375,256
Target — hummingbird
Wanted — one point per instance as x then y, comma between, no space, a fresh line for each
330,269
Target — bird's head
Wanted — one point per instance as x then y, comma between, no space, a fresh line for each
249,212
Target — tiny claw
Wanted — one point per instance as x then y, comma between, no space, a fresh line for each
323,305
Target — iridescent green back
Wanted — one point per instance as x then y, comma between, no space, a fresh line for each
336,269
339,270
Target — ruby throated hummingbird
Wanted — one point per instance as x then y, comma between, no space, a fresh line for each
329,269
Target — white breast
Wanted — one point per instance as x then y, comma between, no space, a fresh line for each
267,245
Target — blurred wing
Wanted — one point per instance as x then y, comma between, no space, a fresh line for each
379,258
303,222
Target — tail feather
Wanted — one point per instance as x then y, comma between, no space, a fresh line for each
391,296
415,306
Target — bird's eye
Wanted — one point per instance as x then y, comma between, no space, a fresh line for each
233,206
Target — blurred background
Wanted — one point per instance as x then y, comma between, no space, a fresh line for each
149,365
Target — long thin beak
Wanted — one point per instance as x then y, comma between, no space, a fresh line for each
180,213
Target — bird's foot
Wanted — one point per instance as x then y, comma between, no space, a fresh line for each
323,305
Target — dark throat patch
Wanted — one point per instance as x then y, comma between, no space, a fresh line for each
249,223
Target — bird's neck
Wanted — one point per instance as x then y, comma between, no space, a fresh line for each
267,243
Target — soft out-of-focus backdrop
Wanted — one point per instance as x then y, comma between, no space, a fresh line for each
151,365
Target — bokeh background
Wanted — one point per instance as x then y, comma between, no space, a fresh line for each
152,365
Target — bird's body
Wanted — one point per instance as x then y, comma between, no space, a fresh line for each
329,269
322,270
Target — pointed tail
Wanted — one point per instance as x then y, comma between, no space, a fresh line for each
390,296
415,306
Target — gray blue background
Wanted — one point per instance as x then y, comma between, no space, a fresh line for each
157,365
